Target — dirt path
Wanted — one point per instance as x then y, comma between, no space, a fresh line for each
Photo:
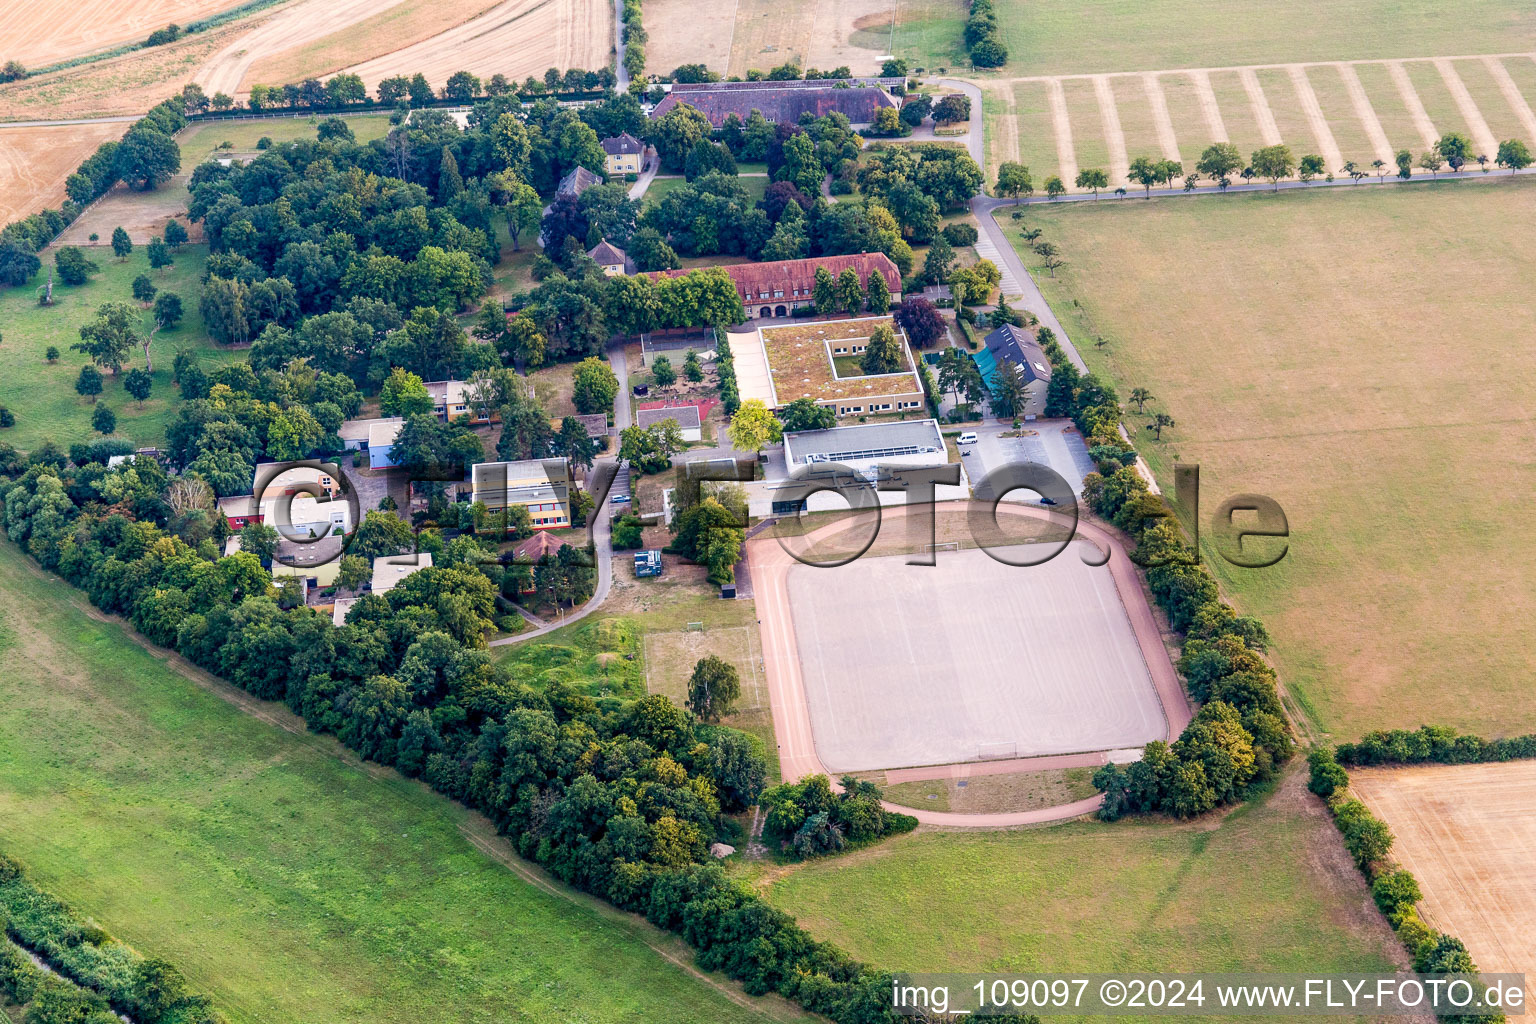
1209,107
1410,95
1268,130
1006,137
1365,112
1332,158
1159,103
1114,137
293,26
1066,155
1482,139
786,684
1512,96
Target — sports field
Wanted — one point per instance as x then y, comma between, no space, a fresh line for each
1358,355
1348,112
42,394
1083,36
288,880
967,659
1468,834
1265,888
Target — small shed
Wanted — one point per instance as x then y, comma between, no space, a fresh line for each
647,563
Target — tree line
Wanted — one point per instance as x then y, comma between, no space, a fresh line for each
144,158
97,976
981,37
621,799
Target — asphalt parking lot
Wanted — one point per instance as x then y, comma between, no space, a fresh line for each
1053,443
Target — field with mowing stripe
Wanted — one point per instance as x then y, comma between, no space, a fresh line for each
1268,887
289,881
1360,356
1082,36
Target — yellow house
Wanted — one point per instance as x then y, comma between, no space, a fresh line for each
609,258
624,154
541,486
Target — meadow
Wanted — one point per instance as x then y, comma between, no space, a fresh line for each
42,394
1083,36
1359,356
287,879
1267,887
202,140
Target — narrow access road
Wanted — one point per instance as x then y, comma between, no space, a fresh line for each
620,72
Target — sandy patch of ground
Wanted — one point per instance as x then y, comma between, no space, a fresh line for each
1468,834
142,214
1315,119
40,32
35,162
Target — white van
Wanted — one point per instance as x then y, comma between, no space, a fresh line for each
969,437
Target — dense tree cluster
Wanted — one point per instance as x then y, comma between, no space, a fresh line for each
144,158
810,820
619,798
981,39
1432,744
98,976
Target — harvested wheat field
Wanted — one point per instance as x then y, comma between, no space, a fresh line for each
35,162
516,38
733,38
39,32
398,25
1468,834
129,84
293,26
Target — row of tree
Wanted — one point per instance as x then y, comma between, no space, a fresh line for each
981,36
621,799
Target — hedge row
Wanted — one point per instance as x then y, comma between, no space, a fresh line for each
620,799
987,50
107,975
635,39
1396,892
1432,744
1239,736
21,240
725,366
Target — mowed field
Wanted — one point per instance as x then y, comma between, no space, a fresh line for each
762,34
35,163
288,881
1265,888
1468,834
516,38
1359,356
42,394
1349,111
1093,36
39,32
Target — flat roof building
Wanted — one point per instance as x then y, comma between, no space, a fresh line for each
539,485
820,360
685,416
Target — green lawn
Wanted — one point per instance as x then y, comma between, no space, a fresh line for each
288,881
1266,888
1359,355
1080,36
203,139
756,186
42,395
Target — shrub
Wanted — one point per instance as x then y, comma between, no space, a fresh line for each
960,233
1395,893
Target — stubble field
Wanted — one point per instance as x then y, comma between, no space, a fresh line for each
35,163
39,32
1358,355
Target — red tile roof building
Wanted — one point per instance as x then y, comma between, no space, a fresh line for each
778,287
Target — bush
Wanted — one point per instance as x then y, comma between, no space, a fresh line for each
960,233
1395,893
1327,776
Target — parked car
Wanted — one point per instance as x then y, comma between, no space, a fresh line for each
969,437
620,499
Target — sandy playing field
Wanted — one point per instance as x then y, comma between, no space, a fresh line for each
970,658
39,32
35,162
516,38
1468,834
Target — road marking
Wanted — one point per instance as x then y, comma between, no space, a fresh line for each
1512,96
1366,113
1482,139
1066,156
1114,138
1268,130
1410,95
985,249
1332,158
1165,135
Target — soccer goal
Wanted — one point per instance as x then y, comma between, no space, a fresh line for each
946,545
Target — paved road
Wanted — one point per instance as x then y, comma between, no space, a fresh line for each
67,121
1051,445
618,46
621,401
791,711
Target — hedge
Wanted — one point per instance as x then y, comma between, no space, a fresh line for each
103,971
1396,892
1432,744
